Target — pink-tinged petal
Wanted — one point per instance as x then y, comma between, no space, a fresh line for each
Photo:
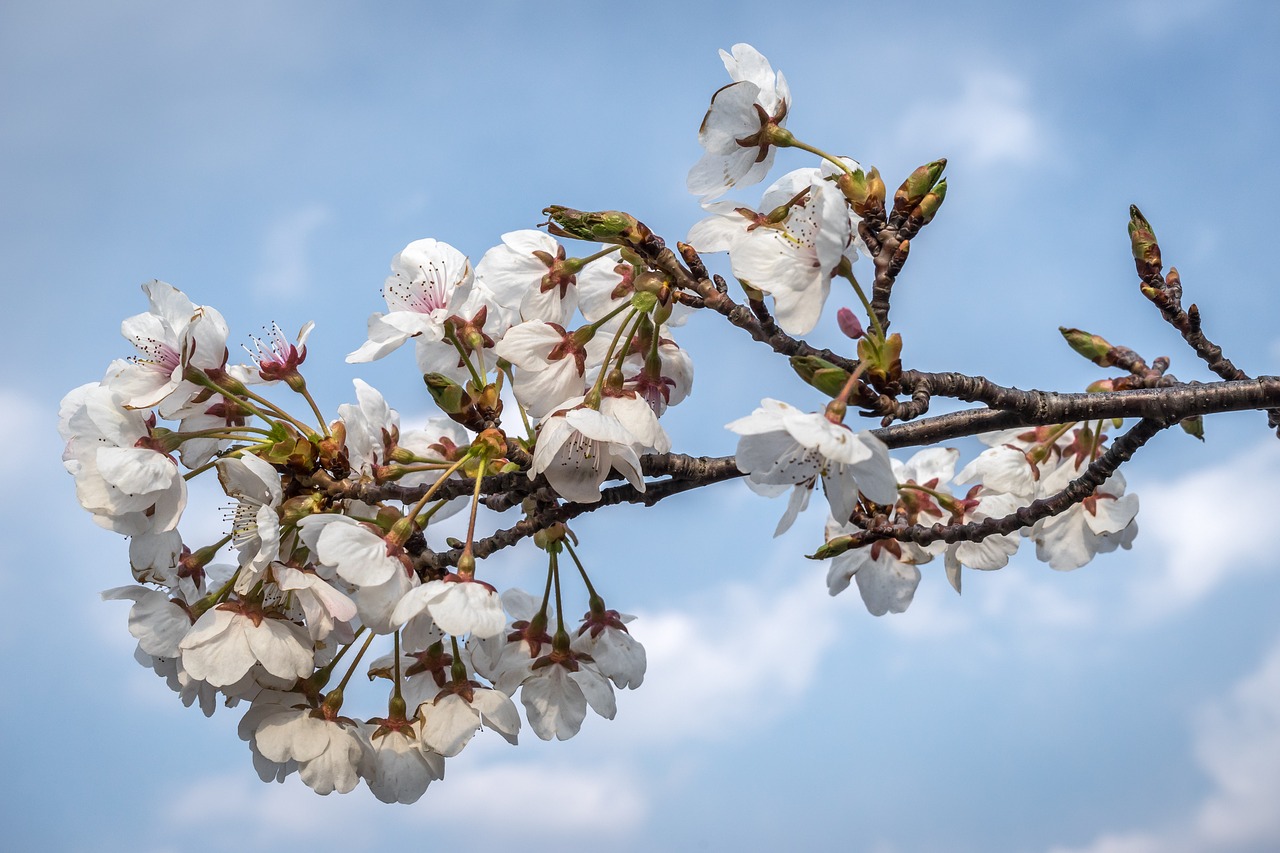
168,303
205,338
1112,516
731,116
337,605
1064,541
718,233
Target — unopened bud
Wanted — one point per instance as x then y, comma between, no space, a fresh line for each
451,397
490,444
876,190
604,226
928,206
820,373
917,186
849,324
855,188
1146,251
1093,347
832,548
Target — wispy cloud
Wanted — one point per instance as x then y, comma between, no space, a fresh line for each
1190,521
1237,745
989,121
268,815
285,268
1156,19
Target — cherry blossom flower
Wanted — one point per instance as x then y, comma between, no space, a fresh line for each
579,446
429,281
328,752
458,606
397,766
276,359
792,259
782,447
255,527
124,476
372,428
357,552
228,640
885,571
734,131
528,269
507,659
991,552
559,689
1099,524
604,637
459,711
157,620
323,606
551,366
172,336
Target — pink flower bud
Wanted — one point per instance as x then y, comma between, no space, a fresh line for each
849,323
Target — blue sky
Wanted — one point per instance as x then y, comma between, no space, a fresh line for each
270,158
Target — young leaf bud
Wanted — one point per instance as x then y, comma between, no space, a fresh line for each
605,226
1146,251
917,186
1093,347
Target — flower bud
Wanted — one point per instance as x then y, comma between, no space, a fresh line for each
1093,347
820,373
832,548
928,206
1146,251
849,324
854,187
451,397
490,444
1193,426
917,186
605,226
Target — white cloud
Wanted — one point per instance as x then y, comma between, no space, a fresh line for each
1237,745
990,121
1194,520
285,268
513,798
738,654
1156,19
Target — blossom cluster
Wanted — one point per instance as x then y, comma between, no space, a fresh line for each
317,570
334,522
